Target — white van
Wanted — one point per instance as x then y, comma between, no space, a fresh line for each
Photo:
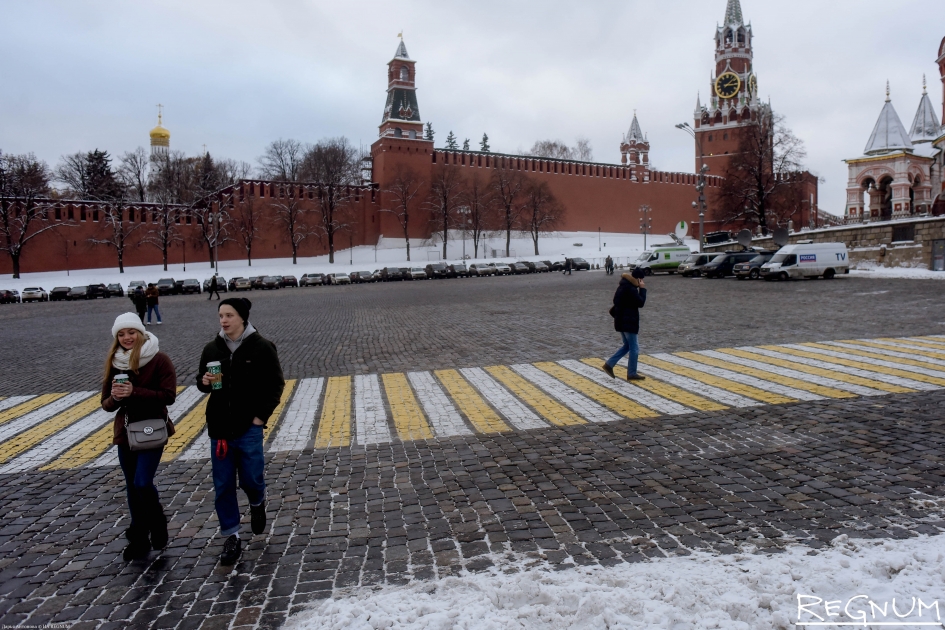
807,260
662,258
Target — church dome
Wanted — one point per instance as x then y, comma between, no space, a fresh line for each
160,137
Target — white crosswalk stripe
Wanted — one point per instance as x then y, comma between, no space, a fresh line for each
200,449
56,444
843,369
516,413
801,376
24,422
645,398
906,345
439,410
838,354
13,401
295,431
370,417
697,387
888,352
578,403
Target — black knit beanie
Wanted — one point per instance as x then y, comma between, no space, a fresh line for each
638,273
240,305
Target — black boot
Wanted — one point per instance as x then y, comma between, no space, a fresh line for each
138,544
258,517
158,526
231,551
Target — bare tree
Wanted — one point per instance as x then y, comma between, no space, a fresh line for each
230,172
403,191
582,150
133,173
507,188
768,158
478,202
72,172
335,166
283,160
248,221
445,191
292,214
23,180
558,150
118,229
541,211
214,221
170,186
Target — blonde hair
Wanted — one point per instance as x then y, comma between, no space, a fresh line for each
133,360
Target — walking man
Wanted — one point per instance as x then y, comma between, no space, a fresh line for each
609,265
214,288
628,300
567,266
140,302
244,390
152,296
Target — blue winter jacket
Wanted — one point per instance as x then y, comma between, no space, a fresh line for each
628,300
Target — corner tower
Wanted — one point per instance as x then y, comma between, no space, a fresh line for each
733,89
401,113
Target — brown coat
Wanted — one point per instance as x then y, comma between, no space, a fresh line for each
154,387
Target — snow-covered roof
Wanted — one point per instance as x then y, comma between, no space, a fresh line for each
635,134
925,127
401,51
888,134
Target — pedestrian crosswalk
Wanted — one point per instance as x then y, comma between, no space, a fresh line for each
70,430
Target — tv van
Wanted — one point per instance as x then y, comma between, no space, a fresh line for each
662,258
807,260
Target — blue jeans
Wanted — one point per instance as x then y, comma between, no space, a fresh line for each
139,468
244,457
157,311
631,347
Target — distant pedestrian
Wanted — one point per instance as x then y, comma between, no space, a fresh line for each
609,265
150,387
140,301
213,287
567,266
242,398
152,296
628,300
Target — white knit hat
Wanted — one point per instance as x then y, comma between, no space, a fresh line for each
127,320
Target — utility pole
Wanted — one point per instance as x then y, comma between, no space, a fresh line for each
645,224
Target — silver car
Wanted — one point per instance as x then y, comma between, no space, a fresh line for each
418,273
502,269
34,294
340,278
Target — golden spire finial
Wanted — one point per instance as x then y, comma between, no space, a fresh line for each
887,90
160,111
401,34
923,84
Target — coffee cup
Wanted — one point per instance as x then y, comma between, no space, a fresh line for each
120,379
213,368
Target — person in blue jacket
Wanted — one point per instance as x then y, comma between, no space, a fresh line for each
628,300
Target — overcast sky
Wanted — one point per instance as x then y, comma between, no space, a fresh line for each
234,75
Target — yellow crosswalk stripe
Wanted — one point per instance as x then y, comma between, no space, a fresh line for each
914,351
800,367
476,410
546,406
334,425
938,342
882,357
25,407
820,390
277,412
860,365
721,383
36,434
607,397
85,451
670,392
938,348
186,430
408,418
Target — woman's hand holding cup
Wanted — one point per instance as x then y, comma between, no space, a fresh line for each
121,388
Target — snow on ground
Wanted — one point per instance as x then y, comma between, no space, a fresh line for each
389,252
741,591
870,270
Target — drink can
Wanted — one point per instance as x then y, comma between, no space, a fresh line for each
213,367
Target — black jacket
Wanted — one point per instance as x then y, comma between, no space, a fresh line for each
252,385
628,300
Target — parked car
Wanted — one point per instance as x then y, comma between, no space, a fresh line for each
391,273
807,260
166,286
34,294
662,258
221,285
134,284
289,281
722,265
531,266
243,284
418,273
79,293
362,277
458,270
312,280
191,285
98,291
693,265
501,269
481,269
557,265
579,264
258,281
340,278
752,268
9,297
270,282
437,270
541,267
59,294
519,267
115,290
178,285
231,285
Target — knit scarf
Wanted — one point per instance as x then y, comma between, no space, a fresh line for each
122,357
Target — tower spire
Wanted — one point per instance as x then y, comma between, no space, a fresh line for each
733,13
887,90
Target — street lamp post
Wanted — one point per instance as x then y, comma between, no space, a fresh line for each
598,239
645,224
464,212
700,185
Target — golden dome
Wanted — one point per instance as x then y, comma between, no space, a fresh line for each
159,135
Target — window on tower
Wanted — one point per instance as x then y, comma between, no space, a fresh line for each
413,134
398,132
404,73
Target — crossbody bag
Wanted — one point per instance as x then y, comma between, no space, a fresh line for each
145,435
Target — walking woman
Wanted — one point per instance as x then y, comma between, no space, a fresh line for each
139,384
241,372
628,300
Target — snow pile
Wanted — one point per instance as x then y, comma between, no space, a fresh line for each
868,269
682,593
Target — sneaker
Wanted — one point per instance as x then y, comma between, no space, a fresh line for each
258,517
609,370
635,377
159,323
231,550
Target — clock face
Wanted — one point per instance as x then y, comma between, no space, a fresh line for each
727,85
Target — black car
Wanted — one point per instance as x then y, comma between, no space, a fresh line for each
752,268
558,265
362,277
693,265
519,267
115,290
271,282
221,285
178,286
231,285
98,291
541,267
391,273
59,294
191,285
722,265
9,297
458,270
532,267
579,264
166,286
79,293
437,270
289,281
